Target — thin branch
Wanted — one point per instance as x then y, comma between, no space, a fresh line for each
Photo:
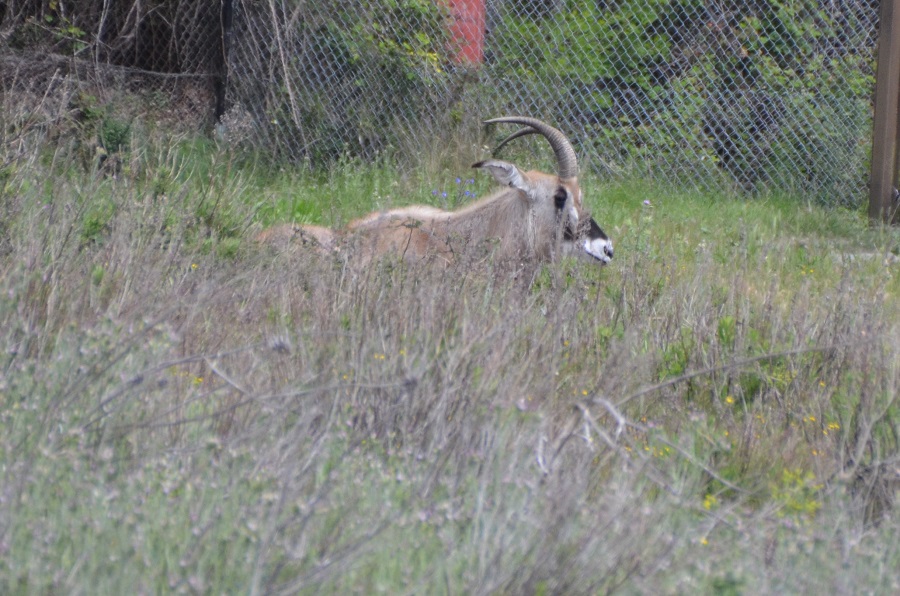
737,364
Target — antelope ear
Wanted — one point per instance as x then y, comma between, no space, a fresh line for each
504,172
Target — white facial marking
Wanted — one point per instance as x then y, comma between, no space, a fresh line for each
599,248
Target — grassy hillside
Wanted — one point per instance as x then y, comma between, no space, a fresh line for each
186,411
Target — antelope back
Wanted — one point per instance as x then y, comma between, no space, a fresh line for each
286,235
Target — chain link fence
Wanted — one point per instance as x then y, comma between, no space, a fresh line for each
758,94
754,94
93,67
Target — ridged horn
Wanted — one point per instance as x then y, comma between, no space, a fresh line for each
519,133
566,161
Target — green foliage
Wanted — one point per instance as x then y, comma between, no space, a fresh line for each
676,356
671,85
798,494
570,45
101,133
87,108
228,248
726,331
96,222
51,28
354,82
727,585
115,134
185,410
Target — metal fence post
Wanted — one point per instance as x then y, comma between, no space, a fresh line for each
227,19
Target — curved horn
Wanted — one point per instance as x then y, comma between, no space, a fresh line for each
519,133
566,161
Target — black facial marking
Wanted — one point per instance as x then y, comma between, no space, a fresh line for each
586,229
594,232
560,198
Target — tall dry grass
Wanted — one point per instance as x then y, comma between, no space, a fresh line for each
186,411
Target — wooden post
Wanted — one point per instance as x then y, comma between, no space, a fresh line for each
887,100
221,81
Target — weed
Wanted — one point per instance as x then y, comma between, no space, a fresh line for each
184,410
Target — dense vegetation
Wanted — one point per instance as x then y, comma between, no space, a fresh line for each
770,94
761,95
187,411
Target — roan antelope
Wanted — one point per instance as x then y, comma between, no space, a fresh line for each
536,217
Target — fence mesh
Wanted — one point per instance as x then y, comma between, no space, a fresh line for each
757,94
78,60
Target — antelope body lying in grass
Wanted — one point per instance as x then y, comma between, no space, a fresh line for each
537,216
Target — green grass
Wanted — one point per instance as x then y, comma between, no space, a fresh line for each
187,411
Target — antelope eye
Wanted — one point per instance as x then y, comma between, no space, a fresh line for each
560,197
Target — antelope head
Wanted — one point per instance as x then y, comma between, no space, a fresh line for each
555,199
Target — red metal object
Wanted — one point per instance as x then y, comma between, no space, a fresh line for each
467,29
